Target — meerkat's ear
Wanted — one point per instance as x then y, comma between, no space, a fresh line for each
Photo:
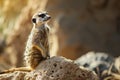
33,20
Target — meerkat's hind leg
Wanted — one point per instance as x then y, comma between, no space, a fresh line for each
41,49
27,69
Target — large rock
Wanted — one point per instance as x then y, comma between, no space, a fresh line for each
55,68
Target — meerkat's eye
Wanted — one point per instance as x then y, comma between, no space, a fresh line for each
42,15
34,20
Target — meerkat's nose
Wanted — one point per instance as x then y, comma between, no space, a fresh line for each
49,17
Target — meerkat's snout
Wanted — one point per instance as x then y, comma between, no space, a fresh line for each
46,17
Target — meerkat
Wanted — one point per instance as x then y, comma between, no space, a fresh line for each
37,47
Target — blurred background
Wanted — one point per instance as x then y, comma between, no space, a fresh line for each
78,26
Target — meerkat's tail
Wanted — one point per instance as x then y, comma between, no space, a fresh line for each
16,69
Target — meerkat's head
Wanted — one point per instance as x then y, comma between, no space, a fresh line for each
40,18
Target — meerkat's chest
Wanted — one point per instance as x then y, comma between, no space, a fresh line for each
38,36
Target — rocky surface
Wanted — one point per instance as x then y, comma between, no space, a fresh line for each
13,76
92,60
55,68
104,65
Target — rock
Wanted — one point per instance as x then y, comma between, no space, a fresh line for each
17,75
55,68
104,65
93,60
113,73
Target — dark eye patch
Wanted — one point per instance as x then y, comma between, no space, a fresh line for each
34,20
42,15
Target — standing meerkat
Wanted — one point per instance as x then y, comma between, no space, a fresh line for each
37,47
